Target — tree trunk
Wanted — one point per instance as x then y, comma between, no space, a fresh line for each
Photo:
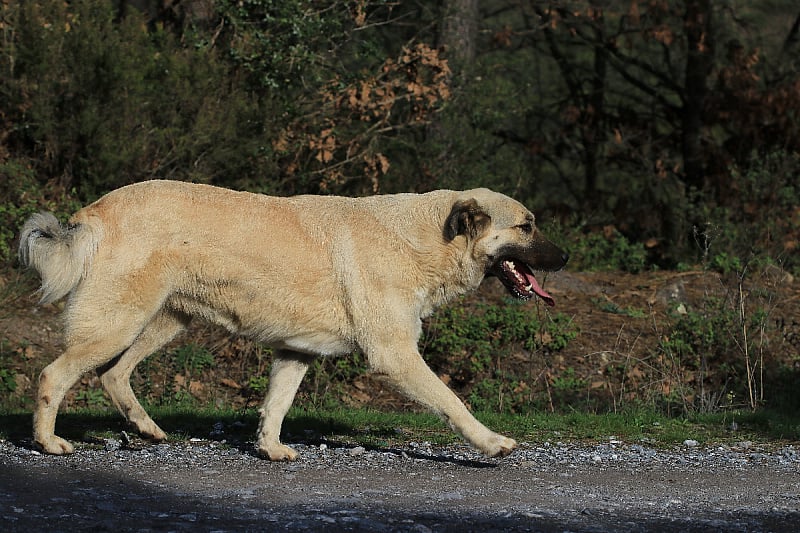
698,65
593,130
459,31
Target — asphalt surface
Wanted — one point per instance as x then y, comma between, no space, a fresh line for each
551,487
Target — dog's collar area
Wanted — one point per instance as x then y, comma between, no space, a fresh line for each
518,278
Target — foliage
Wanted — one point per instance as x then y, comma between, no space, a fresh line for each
341,140
329,377
622,111
100,103
8,381
275,41
192,359
606,250
258,384
18,194
761,221
714,356
91,397
468,345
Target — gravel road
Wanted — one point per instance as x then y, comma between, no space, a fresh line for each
210,486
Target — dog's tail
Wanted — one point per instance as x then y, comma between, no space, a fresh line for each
61,254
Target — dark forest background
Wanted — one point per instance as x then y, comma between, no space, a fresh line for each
665,131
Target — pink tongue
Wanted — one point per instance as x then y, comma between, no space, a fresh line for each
538,289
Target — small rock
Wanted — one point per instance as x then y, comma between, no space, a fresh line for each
690,443
217,431
358,450
671,293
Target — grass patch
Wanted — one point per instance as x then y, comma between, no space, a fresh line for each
372,428
649,427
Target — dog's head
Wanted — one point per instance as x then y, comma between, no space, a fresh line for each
504,241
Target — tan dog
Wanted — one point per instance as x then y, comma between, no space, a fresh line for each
309,275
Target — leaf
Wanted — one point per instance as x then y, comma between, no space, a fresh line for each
383,162
230,383
196,387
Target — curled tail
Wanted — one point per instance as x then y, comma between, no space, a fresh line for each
61,254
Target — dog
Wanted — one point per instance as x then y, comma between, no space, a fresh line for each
308,275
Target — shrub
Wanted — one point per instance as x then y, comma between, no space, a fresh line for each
762,225
192,359
20,196
714,356
99,103
472,346
606,250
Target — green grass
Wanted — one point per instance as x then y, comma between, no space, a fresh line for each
373,428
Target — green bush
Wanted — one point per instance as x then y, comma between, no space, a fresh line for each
471,346
714,356
597,251
192,359
8,381
763,225
99,103
329,377
20,196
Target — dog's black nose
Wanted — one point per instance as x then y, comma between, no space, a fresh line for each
565,257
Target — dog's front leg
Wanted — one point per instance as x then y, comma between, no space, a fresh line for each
411,375
288,369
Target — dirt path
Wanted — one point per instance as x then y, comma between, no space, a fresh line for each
206,486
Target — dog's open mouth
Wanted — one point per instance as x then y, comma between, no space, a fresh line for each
520,281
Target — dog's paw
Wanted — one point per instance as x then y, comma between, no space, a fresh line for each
278,452
150,431
54,445
499,446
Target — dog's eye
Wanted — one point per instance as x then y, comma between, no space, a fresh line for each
527,227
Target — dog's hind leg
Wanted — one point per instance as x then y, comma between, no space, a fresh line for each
57,378
116,375
288,369
97,330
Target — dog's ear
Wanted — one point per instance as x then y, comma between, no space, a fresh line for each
466,218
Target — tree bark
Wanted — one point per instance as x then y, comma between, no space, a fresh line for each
457,36
459,31
593,130
698,65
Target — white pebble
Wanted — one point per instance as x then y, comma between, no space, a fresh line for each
358,450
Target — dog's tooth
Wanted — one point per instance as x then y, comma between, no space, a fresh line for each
529,287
